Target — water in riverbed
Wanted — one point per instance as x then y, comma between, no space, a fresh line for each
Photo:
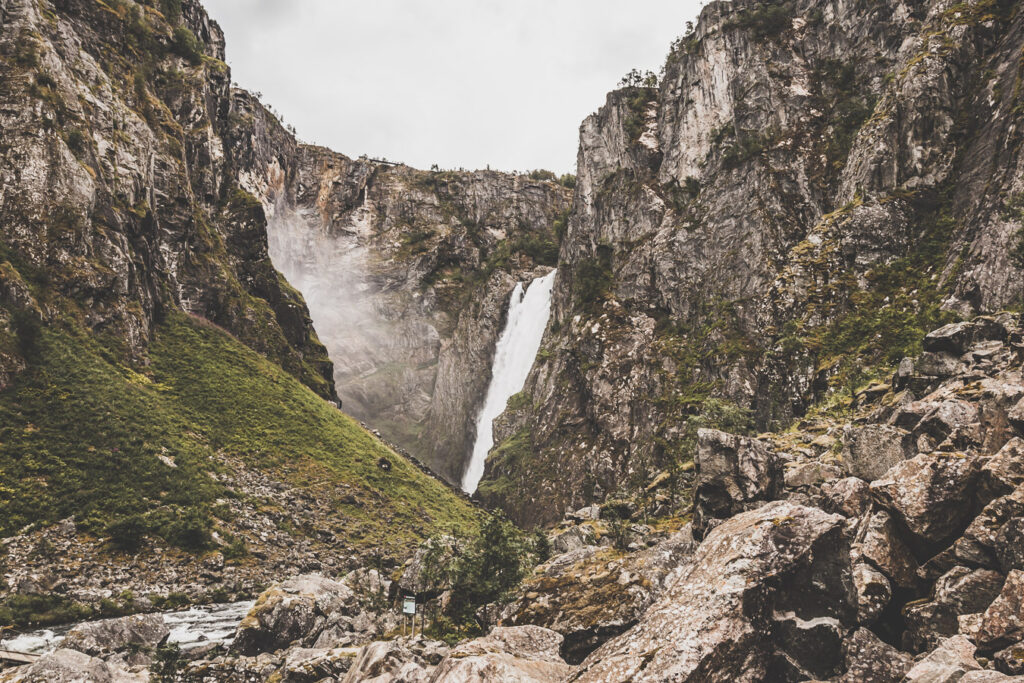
190,628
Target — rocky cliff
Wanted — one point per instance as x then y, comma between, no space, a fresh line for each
407,274
811,187
161,385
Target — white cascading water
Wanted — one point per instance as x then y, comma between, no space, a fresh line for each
513,357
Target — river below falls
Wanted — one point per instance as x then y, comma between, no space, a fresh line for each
189,628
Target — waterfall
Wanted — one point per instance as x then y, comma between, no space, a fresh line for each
528,313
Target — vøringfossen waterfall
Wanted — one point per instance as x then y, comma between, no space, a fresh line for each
513,357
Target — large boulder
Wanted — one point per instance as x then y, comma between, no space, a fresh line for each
1003,621
138,633
296,610
592,594
931,495
767,597
392,661
959,591
869,451
948,663
308,665
869,660
733,474
515,654
878,542
62,666
983,542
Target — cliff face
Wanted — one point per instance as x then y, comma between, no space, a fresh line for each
811,188
407,274
119,198
155,368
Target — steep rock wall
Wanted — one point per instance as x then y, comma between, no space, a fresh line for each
811,187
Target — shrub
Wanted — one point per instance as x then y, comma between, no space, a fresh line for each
171,10
764,21
543,174
186,45
592,278
76,141
128,532
568,180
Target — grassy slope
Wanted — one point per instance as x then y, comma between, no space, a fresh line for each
80,434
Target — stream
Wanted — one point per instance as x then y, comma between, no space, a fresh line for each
189,628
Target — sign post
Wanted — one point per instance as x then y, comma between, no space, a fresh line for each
409,607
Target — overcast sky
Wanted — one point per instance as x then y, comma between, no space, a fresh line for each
458,83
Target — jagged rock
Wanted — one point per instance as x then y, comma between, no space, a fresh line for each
1003,622
1016,416
294,610
956,419
954,338
850,496
869,660
878,542
990,677
405,660
948,663
930,494
229,669
715,621
873,592
869,451
733,473
103,638
63,666
980,542
573,538
804,475
959,592
1011,660
590,595
523,654
1004,471
308,665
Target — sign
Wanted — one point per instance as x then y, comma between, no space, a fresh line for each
409,605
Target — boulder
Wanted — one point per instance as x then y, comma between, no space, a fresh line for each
960,591
802,475
593,594
389,661
948,663
1004,471
953,338
939,365
878,542
869,451
750,601
850,496
295,610
517,654
1003,621
990,677
1016,416
573,538
1010,660
869,660
980,544
733,474
62,666
931,495
308,665
873,592
109,636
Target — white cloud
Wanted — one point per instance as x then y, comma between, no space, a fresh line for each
460,83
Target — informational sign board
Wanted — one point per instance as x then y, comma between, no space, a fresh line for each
409,605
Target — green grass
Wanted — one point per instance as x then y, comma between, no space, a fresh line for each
81,434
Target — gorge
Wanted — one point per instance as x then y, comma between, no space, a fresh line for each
742,400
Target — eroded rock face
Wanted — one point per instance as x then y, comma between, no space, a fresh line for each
735,613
